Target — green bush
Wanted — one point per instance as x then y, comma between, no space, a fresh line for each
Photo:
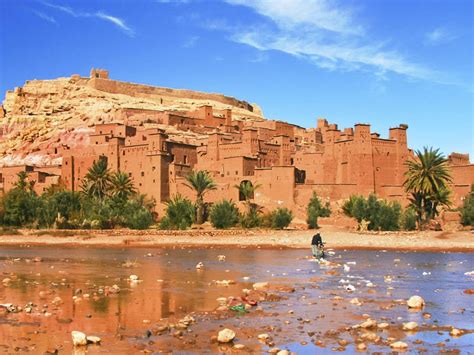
224,214
281,218
266,220
252,218
467,210
137,216
387,216
180,213
380,214
315,210
58,208
408,219
20,207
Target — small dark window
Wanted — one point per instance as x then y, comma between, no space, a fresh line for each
185,159
143,173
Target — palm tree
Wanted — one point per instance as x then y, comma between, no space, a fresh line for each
247,190
201,182
427,180
121,186
97,181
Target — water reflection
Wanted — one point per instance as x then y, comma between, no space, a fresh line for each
171,287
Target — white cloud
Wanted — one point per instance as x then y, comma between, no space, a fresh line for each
324,33
116,21
438,36
45,17
321,14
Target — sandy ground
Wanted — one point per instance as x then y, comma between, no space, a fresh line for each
334,237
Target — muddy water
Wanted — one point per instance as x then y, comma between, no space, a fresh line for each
314,318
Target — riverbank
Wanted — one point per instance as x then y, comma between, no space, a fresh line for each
336,238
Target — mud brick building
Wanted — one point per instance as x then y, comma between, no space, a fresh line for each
157,148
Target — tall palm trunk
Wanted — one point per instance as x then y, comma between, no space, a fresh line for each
199,210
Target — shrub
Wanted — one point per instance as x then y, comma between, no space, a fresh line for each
281,218
408,219
467,210
380,214
137,216
224,214
20,207
180,213
266,220
315,209
251,219
62,204
386,216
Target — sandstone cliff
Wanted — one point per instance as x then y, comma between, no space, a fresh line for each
45,115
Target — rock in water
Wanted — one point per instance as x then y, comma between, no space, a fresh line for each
92,339
416,302
369,323
456,332
399,345
225,335
410,326
78,338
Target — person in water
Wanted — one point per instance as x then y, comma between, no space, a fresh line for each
317,246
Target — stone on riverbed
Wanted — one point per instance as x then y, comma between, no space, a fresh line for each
225,335
456,332
410,326
416,302
369,323
399,345
92,339
78,338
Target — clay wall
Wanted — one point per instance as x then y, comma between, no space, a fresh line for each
183,154
332,192
458,159
277,184
463,178
74,169
312,164
135,116
10,175
131,89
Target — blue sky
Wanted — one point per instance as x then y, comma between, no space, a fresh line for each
382,62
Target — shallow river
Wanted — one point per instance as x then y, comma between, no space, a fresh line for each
315,318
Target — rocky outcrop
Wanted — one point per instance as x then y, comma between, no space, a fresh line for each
44,116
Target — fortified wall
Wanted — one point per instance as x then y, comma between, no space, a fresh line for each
99,80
